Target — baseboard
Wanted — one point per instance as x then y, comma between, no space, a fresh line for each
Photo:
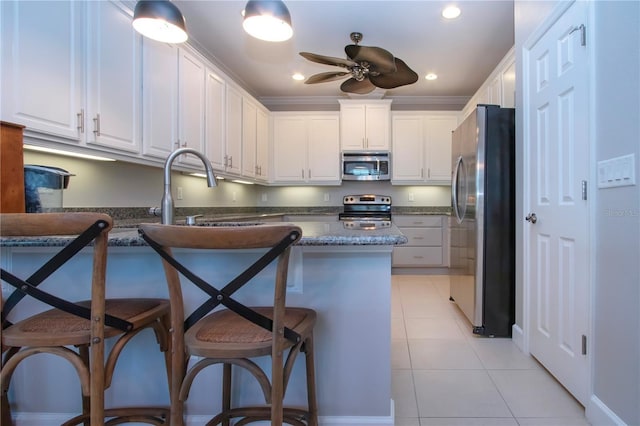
517,335
598,414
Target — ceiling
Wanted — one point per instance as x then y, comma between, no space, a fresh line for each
462,52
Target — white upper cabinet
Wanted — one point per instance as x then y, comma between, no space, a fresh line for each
191,105
498,89
41,66
233,146
365,125
306,148
422,147
249,128
215,117
46,48
114,96
262,145
160,98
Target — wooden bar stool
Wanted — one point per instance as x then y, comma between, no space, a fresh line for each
84,325
233,336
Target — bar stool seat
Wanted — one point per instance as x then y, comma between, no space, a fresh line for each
81,325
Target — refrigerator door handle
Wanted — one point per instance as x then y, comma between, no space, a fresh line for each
454,190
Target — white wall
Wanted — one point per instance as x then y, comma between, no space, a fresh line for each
120,184
616,313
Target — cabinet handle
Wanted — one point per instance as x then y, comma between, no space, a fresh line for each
231,161
429,173
260,170
226,161
177,144
80,116
422,173
302,172
184,144
96,125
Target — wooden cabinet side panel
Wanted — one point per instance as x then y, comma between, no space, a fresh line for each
11,169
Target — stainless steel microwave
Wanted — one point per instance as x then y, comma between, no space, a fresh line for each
365,165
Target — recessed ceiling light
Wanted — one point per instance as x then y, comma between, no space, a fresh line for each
297,76
431,76
451,12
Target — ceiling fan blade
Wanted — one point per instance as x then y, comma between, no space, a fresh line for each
328,60
360,87
380,60
326,76
403,76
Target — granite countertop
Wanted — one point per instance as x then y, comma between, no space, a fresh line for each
313,234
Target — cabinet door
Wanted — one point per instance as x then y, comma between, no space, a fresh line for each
262,145
215,118
160,98
408,149
438,147
289,149
249,127
323,149
377,127
113,78
234,131
352,125
191,104
42,57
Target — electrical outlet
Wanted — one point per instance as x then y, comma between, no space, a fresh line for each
233,196
264,197
411,197
179,194
327,196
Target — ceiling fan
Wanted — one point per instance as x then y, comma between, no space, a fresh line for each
368,66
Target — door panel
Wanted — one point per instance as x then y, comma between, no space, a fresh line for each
558,152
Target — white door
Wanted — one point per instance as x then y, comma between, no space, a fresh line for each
557,265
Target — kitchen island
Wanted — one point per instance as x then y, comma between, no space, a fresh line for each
344,274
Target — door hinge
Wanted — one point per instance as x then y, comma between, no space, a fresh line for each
583,33
584,190
584,344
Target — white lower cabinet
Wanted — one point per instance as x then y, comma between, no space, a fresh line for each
306,149
427,243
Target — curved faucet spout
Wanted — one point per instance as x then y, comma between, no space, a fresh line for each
167,199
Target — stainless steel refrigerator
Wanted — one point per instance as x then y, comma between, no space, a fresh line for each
482,223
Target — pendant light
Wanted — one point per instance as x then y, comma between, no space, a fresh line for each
267,20
160,20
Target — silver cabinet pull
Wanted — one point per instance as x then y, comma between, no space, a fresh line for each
96,125
80,116
531,217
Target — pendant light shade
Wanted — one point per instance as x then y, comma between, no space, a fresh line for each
267,20
160,20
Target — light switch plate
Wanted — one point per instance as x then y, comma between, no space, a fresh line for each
618,171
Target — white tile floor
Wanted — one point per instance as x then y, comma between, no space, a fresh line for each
443,375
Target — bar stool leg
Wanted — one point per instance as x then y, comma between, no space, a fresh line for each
311,382
226,393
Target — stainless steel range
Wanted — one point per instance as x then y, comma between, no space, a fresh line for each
366,211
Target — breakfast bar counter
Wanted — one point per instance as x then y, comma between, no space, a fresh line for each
344,274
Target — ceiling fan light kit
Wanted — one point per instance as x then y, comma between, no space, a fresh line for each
160,20
369,67
267,20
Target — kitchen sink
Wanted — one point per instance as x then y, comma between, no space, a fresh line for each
228,223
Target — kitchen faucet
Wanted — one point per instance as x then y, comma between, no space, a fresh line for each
167,199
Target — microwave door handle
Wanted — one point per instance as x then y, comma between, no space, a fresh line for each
378,166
